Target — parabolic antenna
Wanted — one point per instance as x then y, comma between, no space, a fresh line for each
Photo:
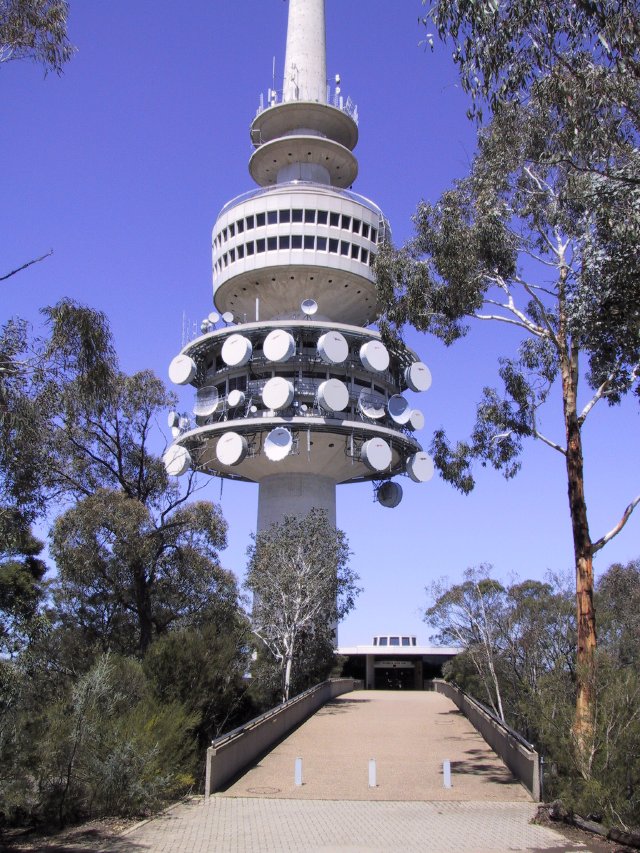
333,395
182,370
213,318
420,467
235,398
176,460
371,404
277,393
309,307
227,317
184,423
376,454
389,494
374,356
279,346
172,419
206,401
277,445
231,448
175,431
236,350
418,376
399,409
416,419
333,348
204,326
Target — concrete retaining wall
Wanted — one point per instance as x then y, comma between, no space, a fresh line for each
520,757
231,753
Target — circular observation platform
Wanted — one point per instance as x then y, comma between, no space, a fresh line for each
286,118
270,159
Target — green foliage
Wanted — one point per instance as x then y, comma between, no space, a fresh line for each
35,30
302,586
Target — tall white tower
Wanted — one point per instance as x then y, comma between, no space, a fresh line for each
296,391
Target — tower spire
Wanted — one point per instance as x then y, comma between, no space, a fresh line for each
305,66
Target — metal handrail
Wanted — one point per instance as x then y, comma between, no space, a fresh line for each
336,100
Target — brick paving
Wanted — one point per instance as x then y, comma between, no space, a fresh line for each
408,734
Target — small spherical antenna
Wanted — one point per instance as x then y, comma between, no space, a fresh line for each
253,409
227,317
204,326
213,318
309,307
389,494
172,419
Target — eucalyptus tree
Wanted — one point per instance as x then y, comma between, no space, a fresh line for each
541,238
302,587
35,30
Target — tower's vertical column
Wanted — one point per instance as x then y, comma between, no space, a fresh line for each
305,65
296,495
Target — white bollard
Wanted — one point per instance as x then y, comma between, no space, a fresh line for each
446,773
298,772
372,773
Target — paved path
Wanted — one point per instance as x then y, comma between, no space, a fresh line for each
408,734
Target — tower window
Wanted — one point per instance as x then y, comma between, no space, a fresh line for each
323,217
284,241
296,214
322,244
250,248
365,230
272,243
334,220
240,224
296,241
272,217
383,641
285,216
374,235
346,221
250,222
354,251
364,256
260,219
232,255
309,241
309,216
355,226
225,259
333,246
344,248
224,234
405,641
240,252
394,641
259,245
232,230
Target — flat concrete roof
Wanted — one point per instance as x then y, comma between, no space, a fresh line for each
404,651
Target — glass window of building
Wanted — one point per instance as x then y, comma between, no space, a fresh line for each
296,214
394,641
323,217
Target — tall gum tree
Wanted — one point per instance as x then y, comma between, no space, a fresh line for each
542,237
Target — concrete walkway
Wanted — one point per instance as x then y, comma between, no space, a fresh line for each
408,734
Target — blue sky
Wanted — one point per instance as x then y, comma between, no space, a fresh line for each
121,166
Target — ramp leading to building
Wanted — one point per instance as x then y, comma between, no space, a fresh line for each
409,734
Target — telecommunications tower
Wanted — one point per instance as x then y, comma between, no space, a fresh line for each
294,390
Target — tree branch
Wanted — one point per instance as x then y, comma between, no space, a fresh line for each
24,266
614,532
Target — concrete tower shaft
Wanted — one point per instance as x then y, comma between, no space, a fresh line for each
305,71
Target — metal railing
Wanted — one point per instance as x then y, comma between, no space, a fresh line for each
332,99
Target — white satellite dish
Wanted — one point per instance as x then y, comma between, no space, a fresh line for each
184,423
374,356
371,404
333,348
235,398
253,409
389,494
333,395
227,317
279,346
418,376
172,419
309,307
176,460
213,318
231,448
376,454
182,370
236,350
175,431
277,393
278,444
304,408
204,326
206,401
399,409
420,467
416,419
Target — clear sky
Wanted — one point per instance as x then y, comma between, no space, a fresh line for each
121,166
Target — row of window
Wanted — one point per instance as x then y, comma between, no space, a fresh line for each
394,641
299,214
295,241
